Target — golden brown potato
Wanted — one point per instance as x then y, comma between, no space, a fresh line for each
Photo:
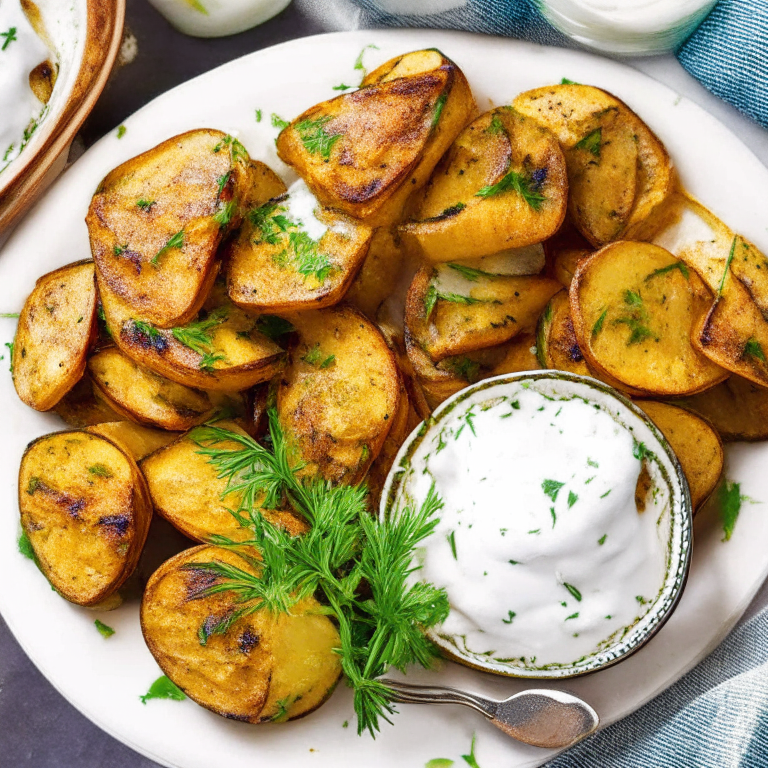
556,343
618,170
156,222
86,510
564,251
79,407
133,439
55,327
737,408
519,355
365,152
695,443
143,396
380,273
501,185
262,185
187,492
633,307
337,399
223,349
278,263
452,310
262,668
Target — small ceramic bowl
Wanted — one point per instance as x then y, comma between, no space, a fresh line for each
406,485
86,37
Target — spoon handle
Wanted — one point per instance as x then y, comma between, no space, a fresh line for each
408,693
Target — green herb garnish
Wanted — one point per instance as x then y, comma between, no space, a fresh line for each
753,348
198,337
439,106
315,357
100,470
598,326
516,182
145,205
572,499
278,122
592,143
575,592
636,319
602,539
163,688
729,500
470,273
10,37
463,367
104,629
273,327
433,296
9,314
146,329
342,87
237,151
196,5
470,759
452,541
551,488
121,129
314,138
510,617
439,762
663,270
225,213
566,81
572,616
10,344
495,126
727,267
174,243
25,547
343,546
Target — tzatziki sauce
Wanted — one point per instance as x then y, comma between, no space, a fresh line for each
21,50
554,537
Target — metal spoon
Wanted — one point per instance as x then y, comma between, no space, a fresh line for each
539,717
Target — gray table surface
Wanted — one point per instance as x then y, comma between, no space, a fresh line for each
38,728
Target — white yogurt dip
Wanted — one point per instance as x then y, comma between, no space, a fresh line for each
21,50
300,207
545,555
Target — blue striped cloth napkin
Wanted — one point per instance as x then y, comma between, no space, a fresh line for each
728,53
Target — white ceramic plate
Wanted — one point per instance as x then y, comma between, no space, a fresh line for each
104,678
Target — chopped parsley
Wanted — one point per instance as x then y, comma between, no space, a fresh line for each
359,60
495,126
258,115
104,629
121,129
163,688
729,499
25,547
551,488
176,242
513,181
144,204
572,499
314,137
602,539
303,253
342,87
592,143
439,106
439,762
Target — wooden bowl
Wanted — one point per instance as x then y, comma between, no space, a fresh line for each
86,35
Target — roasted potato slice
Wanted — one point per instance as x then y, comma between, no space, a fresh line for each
133,439
143,396
187,492
564,251
634,307
292,254
618,170
365,152
156,222
79,407
519,355
55,327
380,273
501,185
262,667
737,408
695,443
86,510
556,343
452,310
223,349
337,399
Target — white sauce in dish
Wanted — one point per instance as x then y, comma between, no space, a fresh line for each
300,207
20,52
540,546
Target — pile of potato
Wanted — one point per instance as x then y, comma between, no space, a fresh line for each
547,234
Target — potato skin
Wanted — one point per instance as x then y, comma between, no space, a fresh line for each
633,307
186,491
696,444
453,221
556,343
183,184
337,399
55,328
79,407
240,674
393,131
86,510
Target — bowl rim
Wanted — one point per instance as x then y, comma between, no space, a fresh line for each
105,20
679,567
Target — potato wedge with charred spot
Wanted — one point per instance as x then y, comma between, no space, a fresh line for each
451,310
366,152
737,409
619,172
156,222
187,492
223,349
634,307
281,262
556,343
55,327
262,668
133,439
695,443
501,185
337,399
80,408
143,396
86,510
564,251
379,274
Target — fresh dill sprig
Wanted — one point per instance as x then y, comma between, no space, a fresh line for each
636,318
197,337
727,267
343,547
271,223
669,268
470,273
225,213
237,151
434,295
514,181
314,137
278,122
592,143
144,204
175,242
303,253
495,126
